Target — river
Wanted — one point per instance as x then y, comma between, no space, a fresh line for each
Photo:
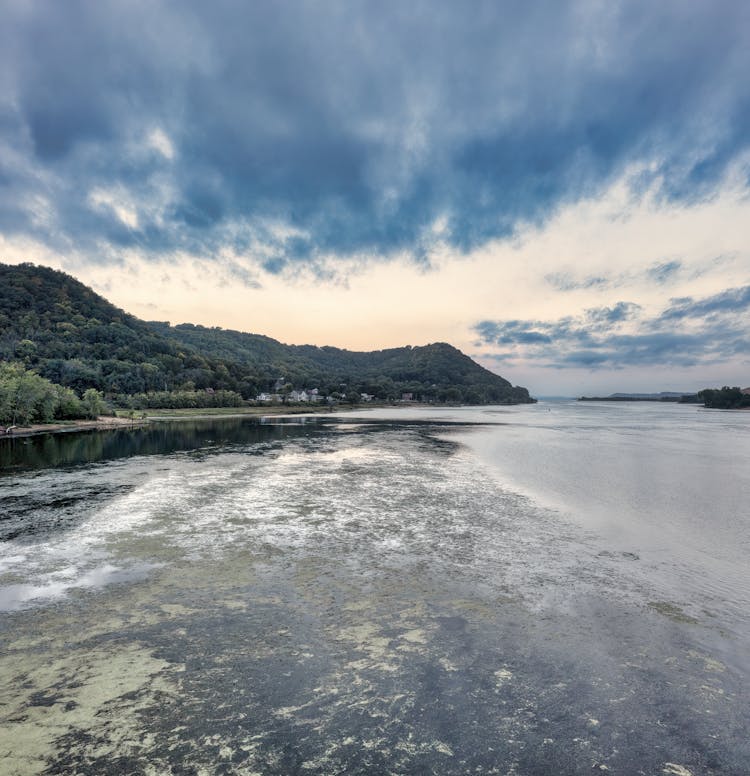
557,588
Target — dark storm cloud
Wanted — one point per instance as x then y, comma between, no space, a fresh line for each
356,125
689,332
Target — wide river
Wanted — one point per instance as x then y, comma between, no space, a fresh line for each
560,588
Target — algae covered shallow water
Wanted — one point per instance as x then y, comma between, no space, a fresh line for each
534,590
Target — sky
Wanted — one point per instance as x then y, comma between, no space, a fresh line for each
559,189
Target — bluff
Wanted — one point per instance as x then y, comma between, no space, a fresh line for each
54,324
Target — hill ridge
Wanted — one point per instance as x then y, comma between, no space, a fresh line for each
72,335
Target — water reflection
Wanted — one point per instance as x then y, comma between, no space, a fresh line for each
159,438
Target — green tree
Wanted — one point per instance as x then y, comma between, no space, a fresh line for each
93,403
69,405
25,397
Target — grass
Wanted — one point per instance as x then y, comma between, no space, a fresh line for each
275,409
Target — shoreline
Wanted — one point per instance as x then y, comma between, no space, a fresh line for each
110,423
207,413
120,420
72,426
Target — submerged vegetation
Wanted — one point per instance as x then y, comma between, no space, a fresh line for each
65,332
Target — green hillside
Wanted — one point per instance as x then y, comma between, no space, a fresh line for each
52,323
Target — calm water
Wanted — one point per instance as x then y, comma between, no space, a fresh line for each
553,589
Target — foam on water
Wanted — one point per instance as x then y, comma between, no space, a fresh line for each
59,583
368,495
390,496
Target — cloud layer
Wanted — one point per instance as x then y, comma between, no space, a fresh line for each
687,333
287,132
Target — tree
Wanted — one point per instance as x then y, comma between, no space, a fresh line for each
93,403
725,398
69,405
26,397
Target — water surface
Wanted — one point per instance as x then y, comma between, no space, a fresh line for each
558,591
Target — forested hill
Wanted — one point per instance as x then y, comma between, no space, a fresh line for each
71,335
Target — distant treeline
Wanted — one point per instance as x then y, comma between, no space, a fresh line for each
688,398
183,399
725,398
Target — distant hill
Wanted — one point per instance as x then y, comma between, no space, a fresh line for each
71,335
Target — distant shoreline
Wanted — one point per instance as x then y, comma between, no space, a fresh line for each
686,399
697,404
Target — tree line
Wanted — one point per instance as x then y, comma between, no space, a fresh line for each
26,397
725,398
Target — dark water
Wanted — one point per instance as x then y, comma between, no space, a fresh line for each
387,595
161,438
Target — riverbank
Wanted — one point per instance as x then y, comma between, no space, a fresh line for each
70,426
122,420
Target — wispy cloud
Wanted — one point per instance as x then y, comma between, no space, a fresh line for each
733,302
664,271
604,317
565,281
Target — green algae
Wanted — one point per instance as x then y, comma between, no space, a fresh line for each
92,691
673,612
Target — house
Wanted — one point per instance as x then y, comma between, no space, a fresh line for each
366,396
407,397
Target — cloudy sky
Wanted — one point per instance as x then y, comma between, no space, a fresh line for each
562,190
